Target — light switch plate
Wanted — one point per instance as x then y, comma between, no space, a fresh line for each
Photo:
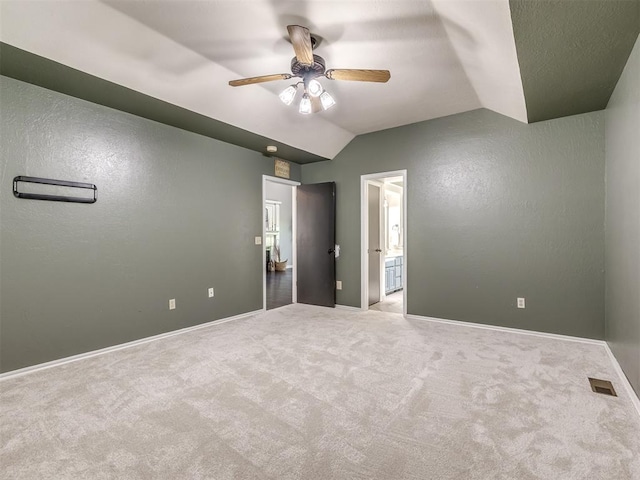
258,240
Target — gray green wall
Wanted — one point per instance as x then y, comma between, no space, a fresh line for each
571,53
497,209
176,213
622,230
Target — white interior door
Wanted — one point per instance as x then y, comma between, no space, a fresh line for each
374,248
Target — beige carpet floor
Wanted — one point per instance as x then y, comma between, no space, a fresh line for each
307,392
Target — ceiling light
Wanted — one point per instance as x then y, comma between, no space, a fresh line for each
314,88
305,104
288,94
327,100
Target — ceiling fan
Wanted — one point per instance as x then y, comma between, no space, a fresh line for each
309,67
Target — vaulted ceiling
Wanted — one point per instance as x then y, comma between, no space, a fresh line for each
171,61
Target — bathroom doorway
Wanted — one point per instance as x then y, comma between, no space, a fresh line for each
383,235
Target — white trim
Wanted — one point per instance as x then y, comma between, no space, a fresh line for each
520,331
623,378
364,234
294,246
348,307
122,346
292,183
270,178
382,233
405,236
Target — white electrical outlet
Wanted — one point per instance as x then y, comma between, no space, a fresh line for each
211,292
520,302
338,284
172,304
258,240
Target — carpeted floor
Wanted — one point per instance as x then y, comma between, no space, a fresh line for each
307,392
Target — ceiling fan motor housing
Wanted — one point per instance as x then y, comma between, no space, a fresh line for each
316,69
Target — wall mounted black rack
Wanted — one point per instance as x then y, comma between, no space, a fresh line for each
58,183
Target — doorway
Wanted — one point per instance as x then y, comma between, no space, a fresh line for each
383,241
279,245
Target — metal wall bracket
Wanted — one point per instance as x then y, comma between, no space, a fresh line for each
54,198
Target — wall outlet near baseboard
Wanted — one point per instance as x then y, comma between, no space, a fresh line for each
210,292
338,284
520,302
172,304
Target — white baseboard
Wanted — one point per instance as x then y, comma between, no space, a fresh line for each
348,307
122,346
557,336
623,378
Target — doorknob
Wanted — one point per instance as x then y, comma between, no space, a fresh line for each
378,250
330,251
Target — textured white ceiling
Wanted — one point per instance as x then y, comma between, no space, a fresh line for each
445,57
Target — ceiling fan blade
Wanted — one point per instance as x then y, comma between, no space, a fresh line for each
301,40
381,76
263,78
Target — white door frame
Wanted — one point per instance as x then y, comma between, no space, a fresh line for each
292,183
364,236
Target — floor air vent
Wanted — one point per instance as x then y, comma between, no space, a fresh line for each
602,386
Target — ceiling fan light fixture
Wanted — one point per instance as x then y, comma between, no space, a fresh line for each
327,100
305,105
314,88
288,94
308,67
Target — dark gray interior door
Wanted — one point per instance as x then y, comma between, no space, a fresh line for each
375,251
316,239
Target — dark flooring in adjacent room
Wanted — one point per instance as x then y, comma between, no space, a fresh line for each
279,286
